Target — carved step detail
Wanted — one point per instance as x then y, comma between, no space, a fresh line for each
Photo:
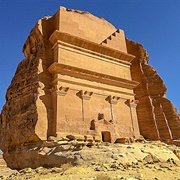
115,41
114,34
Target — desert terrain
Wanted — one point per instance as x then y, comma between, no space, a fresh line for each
140,161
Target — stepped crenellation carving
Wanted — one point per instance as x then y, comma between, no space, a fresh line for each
116,41
114,34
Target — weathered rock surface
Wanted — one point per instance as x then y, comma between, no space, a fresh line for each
28,137
19,115
158,118
148,160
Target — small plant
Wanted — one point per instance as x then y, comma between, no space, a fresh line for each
103,177
66,166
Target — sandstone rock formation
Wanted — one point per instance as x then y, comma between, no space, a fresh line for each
150,160
157,116
76,88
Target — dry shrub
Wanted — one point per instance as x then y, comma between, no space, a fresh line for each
66,166
103,177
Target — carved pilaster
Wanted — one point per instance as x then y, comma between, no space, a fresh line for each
112,99
59,90
131,103
85,95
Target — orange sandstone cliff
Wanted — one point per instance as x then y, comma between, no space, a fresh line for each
81,82
158,118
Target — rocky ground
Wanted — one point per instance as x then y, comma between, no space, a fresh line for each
141,161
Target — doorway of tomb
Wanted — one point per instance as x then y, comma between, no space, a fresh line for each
106,136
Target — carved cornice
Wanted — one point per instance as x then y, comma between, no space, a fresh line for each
57,68
97,87
59,90
61,38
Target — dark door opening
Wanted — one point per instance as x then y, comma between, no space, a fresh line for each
106,136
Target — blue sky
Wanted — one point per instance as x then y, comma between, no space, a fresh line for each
153,23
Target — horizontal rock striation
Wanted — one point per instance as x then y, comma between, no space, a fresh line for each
157,116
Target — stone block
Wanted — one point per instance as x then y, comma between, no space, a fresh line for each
123,140
75,137
89,138
97,138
